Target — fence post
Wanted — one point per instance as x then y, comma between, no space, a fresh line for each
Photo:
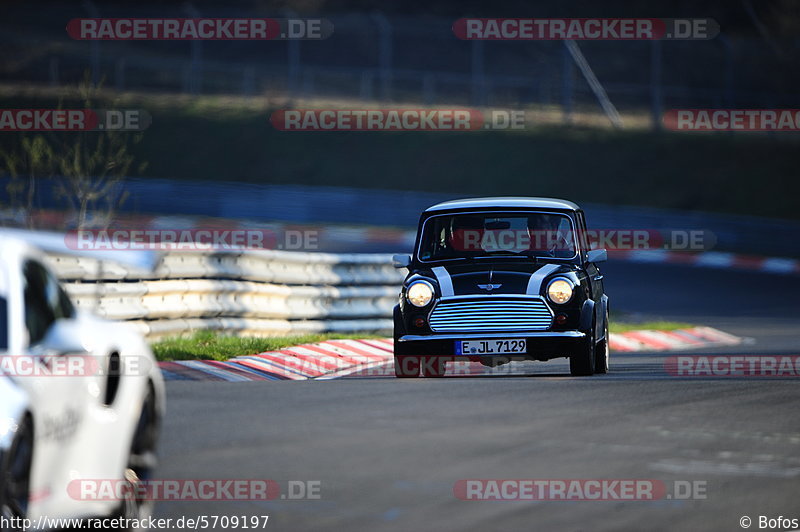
94,45
119,74
566,84
545,87
54,71
308,84
384,54
195,77
366,85
478,79
248,81
656,91
729,91
292,61
429,89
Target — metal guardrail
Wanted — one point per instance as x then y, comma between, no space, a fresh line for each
244,293
328,206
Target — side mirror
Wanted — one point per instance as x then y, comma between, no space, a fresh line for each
62,338
597,255
401,261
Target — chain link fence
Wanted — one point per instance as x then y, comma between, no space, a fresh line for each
407,60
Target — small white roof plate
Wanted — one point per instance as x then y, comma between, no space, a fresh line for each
516,202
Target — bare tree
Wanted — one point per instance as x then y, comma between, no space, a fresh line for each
91,171
87,169
28,161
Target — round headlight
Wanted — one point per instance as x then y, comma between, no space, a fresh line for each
559,291
419,293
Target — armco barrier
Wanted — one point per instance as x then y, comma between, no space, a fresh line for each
263,292
246,293
330,207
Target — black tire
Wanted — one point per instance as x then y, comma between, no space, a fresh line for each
581,362
406,367
141,460
434,367
16,472
601,351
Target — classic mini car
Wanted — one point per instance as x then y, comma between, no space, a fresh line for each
496,280
80,398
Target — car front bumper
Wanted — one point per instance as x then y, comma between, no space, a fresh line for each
540,345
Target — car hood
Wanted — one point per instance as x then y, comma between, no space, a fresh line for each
496,277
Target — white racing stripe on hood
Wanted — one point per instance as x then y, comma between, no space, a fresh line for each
445,281
535,282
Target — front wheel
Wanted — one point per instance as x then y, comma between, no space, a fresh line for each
141,463
16,473
601,351
581,361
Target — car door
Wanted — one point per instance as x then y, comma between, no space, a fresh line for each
595,277
59,398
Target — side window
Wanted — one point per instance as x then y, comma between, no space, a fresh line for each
45,301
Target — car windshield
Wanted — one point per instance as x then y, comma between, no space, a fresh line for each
497,233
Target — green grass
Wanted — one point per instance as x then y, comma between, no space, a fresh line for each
621,327
207,345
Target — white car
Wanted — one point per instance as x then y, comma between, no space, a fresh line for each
80,399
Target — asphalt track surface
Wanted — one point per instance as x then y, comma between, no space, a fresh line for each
388,452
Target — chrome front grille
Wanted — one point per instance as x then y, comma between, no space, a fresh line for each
491,314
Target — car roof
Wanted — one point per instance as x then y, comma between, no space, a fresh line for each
14,248
503,202
20,243
13,252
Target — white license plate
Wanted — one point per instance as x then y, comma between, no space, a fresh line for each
499,346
